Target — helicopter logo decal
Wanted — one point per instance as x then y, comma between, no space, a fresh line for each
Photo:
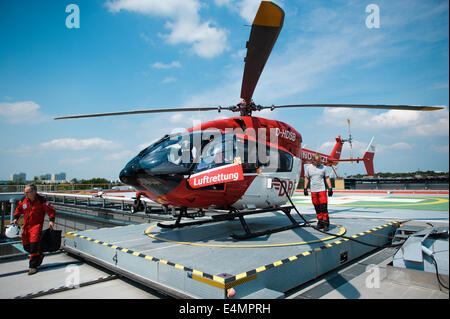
286,134
289,186
224,174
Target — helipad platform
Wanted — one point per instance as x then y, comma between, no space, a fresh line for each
203,261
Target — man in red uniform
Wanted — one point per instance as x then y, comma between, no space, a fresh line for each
315,175
33,206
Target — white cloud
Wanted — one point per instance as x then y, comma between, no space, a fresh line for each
168,80
186,121
325,148
240,54
160,65
395,118
412,123
359,148
80,144
401,146
434,123
245,8
22,112
183,21
120,155
365,118
248,8
177,118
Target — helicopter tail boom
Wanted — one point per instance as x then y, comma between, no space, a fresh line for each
337,149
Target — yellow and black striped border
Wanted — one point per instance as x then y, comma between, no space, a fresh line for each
197,275
231,281
307,253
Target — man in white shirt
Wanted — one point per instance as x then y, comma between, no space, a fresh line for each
314,176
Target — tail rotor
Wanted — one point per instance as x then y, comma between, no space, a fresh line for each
349,140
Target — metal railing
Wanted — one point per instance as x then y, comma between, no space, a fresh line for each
59,187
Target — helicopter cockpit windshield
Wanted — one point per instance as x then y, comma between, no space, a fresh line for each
188,152
163,156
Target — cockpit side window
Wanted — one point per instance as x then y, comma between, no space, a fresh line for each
285,161
216,152
274,160
248,152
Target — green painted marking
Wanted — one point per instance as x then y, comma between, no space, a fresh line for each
426,203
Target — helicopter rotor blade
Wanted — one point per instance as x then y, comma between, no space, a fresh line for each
362,106
234,108
265,29
179,109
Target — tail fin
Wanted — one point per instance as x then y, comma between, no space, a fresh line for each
368,158
336,152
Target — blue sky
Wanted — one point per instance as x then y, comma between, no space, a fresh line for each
129,55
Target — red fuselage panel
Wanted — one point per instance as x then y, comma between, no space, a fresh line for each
184,196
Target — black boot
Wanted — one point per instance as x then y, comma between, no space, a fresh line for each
320,224
326,224
32,271
41,258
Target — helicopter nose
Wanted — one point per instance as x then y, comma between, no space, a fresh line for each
128,175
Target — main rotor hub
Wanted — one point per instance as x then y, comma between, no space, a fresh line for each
246,108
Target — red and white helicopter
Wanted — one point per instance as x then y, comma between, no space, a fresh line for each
240,165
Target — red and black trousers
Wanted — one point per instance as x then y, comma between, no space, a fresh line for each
30,240
320,202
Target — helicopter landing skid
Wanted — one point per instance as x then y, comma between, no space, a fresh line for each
178,223
240,214
250,234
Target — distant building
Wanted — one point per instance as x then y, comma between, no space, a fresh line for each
20,177
59,177
45,177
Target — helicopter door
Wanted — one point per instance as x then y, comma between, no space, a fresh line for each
282,180
256,194
217,155
266,189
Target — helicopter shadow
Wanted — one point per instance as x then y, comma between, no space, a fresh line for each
218,233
